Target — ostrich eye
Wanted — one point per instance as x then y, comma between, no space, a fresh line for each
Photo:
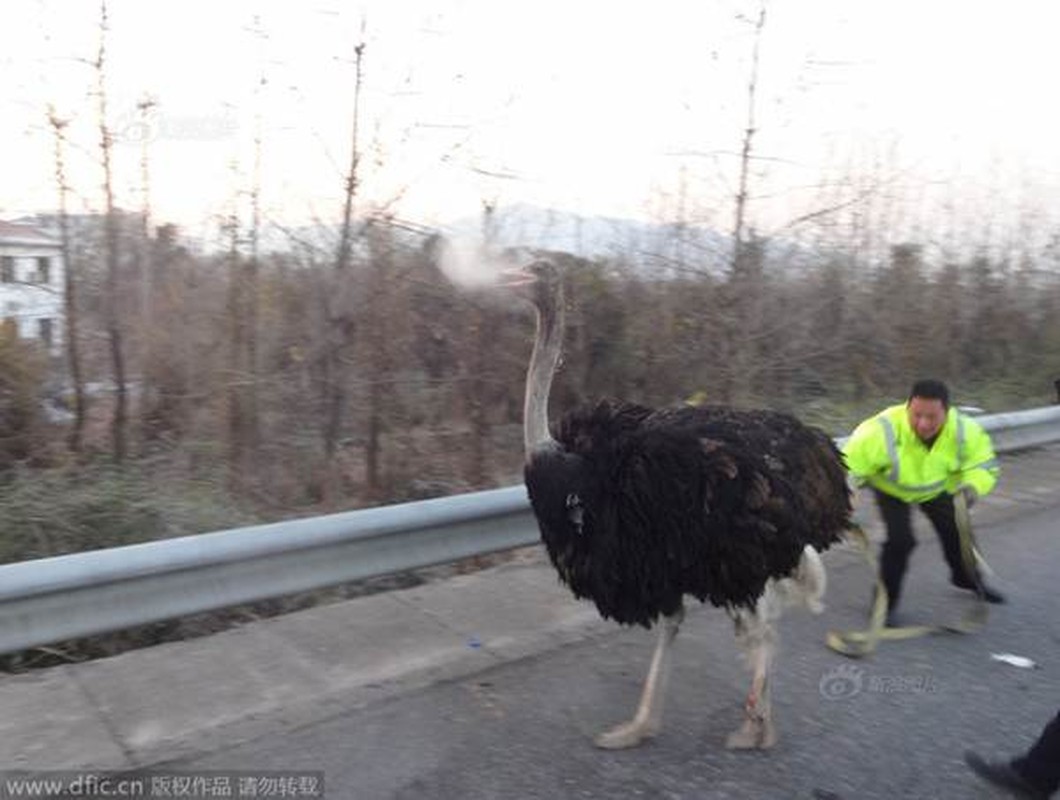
575,512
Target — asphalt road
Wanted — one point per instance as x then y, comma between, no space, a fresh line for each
892,726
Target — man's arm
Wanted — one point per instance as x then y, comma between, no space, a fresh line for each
978,465
865,452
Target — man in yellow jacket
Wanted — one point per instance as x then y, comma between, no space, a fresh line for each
922,453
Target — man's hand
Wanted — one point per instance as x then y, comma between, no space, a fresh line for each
970,495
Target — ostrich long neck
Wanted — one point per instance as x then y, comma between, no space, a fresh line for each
543,361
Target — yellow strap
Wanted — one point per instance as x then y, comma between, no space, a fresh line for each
857,644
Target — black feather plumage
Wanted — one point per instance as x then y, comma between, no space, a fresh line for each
638,507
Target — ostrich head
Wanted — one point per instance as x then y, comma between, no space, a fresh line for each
541,283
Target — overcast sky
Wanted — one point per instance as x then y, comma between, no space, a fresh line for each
597,107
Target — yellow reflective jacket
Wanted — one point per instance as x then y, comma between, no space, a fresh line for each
885,452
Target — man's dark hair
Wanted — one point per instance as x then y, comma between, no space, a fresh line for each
930,389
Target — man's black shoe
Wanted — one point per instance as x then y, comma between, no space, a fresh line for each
1002,773
993,596
990,595
895,619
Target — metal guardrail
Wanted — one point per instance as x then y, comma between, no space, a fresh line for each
1018,430
52,599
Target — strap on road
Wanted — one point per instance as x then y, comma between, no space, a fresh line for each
857,644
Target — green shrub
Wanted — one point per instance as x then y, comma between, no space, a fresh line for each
56,511
22,370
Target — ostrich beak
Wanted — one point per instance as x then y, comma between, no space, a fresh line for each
516,277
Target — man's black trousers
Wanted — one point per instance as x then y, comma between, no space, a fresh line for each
894,555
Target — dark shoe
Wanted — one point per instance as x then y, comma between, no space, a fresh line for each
990,595
895,619
1002,773
993,596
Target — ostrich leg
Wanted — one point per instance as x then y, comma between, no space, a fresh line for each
648,719
757,635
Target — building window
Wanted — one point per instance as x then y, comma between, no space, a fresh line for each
44,269
44,330
7,269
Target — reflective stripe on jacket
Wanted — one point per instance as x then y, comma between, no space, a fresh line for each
885,452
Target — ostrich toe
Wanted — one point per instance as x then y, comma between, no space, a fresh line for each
626,735
753,734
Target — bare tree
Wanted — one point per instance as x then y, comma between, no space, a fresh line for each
339,306
251,426
378,342
746,148
475,381
111,252
237,334
745,268
73,357
145,272
244,425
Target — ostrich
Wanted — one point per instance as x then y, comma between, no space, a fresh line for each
639,508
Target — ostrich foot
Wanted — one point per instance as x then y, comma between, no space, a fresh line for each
628,734
755,734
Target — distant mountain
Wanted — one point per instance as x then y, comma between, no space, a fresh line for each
523,225
639,243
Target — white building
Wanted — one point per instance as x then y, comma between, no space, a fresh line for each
31,284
